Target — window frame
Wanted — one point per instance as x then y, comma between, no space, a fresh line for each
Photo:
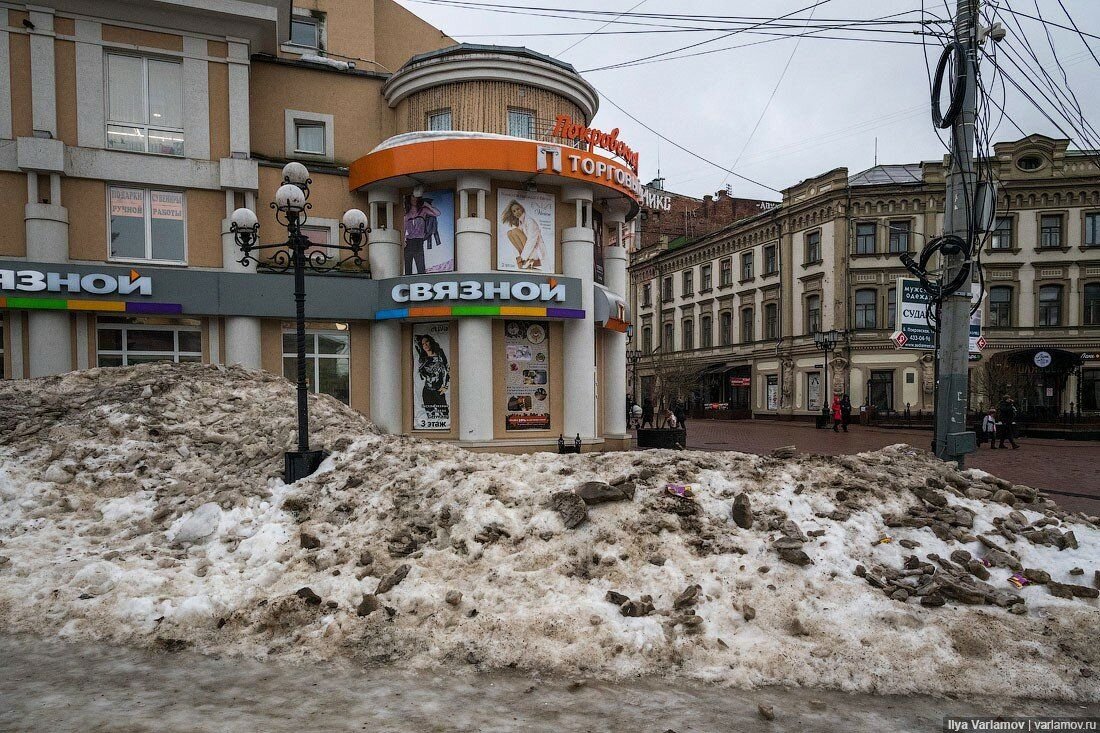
748,318
771,259
771,321
147,125
748,265
861,310
124,353
313,20
1085,217
706,278
687,334
668,294
1085,316
529,114
725,272
301,124
995,234
647,339
687,282
994,308
859,238
439,113
893,234
706,331
647,295
725,328
1042,242
316,356
147,205
811,244
811,326
668,342
1042,310
891,308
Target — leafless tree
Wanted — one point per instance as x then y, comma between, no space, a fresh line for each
677,376
991,380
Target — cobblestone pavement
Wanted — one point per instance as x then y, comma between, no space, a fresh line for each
1067,466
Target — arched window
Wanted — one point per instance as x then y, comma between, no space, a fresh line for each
1092,304
1050,305
1000,306
866,309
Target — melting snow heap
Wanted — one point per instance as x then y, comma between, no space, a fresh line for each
143,505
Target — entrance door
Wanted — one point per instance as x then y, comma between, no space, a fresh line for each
739,392
880,390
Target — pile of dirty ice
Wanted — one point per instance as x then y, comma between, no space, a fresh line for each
143,505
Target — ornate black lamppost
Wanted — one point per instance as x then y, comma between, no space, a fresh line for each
827,341
297,253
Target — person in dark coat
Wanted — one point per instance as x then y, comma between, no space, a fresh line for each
680,411
845,412
1006,415
647,412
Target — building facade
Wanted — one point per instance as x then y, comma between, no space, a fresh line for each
492,311
743,303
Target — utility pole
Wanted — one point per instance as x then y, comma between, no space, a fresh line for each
952,440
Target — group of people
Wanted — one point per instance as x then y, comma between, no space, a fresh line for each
840,411
639,416
999,425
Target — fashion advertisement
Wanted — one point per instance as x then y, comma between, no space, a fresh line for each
527,384
429,238
597,249
525,231
431,376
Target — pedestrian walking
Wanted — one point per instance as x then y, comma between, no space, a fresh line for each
845,412
680,412
647,412
636,416
838,414
989,428
1006,413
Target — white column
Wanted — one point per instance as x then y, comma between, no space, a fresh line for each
578,243
384,252
47,230
242,333
43,85
614,343
475,335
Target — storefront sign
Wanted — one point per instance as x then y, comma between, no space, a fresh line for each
431,375
656,199
419,292
525,235
527,380
1042,359
97,283
564,127
740,381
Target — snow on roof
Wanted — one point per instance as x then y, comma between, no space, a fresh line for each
886,174
486,48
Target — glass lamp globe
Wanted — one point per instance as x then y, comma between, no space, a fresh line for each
289,198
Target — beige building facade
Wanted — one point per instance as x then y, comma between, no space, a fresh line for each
743,303
129,133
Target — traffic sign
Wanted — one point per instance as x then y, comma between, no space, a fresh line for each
981,343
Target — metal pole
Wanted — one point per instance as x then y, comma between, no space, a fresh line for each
952,441
298,250
825,388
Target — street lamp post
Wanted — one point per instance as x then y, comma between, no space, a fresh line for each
297,253
633,356
826,341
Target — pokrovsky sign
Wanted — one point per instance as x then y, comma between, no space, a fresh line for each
474,290
96,283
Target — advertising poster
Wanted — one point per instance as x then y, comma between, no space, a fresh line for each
525,231
597,250
429,235
431,343
773,392
527,383
813,391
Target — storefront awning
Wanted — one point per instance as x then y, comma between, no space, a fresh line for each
610,311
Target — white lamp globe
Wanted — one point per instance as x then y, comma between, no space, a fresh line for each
245,219
296,173
289,198
355,220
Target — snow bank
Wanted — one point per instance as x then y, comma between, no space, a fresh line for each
156,516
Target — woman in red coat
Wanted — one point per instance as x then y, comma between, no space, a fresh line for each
837,413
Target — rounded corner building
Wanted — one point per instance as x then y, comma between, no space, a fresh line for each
494,310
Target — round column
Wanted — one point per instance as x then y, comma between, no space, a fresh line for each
475,335
242,333
47,230
384,253
579,352
614,342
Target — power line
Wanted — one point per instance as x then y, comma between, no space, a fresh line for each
582,40
1079,33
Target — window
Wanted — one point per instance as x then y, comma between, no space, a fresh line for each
688,286
746,266
1092,304
1050,230
320,237
866,316
647,295
689,335
309,137
147,225
899,235
746,325
1050,305
1090,390
771,321
440,121
328,359
1092,230
122,341
705,278
1002,233
813,247
668,344
521,123
305,31
891,308
725,272
865,238
813,313
880,390
771,260
144,105
647,340
706,332
725,329
1029,163
666,289
1000,306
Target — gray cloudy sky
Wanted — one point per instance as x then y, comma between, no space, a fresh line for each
835,98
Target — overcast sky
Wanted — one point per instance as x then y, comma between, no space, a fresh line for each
835,98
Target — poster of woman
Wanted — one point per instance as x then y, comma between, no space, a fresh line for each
429,240
431,376
525,232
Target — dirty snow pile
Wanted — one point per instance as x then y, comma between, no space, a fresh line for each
143,505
